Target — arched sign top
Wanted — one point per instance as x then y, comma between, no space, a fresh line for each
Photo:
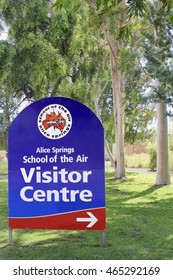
56,165
58,108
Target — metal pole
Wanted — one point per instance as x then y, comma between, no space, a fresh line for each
10,230
104,238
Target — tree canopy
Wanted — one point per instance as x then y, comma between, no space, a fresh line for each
67,50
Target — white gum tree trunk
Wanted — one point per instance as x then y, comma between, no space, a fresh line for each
96,103
163,172
118,101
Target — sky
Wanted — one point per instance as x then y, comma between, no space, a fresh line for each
4,33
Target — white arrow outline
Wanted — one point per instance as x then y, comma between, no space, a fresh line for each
92,219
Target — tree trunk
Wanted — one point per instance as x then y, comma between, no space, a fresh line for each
163,172
108,151
118,101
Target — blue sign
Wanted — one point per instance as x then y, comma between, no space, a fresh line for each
56,167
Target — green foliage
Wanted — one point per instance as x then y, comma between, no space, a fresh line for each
137,120
158,55
8,106
107,115
138,112
151,149
167,4
52,51
136,7
55,50
125,32
57,3
43,54
7,52
56,53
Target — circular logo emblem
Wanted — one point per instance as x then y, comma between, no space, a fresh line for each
54,121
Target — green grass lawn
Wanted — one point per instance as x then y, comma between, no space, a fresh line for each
139,226
3,167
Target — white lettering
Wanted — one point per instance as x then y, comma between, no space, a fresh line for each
33,159
46,177
23,194
73,194
65,192
27,178
42,150
55,193
28,194
54,175
85,176
74,177
39,195
84,194
63,174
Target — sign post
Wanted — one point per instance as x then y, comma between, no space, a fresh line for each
56,167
